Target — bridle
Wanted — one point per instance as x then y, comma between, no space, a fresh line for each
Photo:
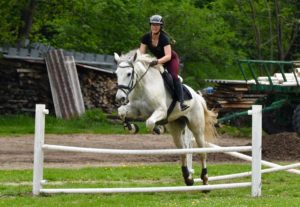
127,89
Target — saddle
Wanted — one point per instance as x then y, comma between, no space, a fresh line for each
168,82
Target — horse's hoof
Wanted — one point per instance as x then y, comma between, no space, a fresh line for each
159,129
205,191
205,180
134,129
188,181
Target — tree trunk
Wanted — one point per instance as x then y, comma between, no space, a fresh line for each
256,30
27,18
279,30
293,43
270,30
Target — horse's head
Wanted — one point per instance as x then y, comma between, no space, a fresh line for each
132,67
125,76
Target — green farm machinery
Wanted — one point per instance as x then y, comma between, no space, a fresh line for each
273,84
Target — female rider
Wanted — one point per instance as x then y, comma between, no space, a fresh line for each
158,42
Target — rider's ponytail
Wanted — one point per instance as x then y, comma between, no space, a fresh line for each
172,40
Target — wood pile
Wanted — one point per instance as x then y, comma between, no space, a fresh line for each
230,95
24,84
98,89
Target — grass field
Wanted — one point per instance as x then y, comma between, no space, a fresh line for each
278,189
93,121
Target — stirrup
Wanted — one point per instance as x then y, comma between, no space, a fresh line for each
183,107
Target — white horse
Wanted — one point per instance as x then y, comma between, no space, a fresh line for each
142,89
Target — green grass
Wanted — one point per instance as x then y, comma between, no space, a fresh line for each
93,121
234,131
278,189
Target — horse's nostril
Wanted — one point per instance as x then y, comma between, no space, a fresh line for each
122,100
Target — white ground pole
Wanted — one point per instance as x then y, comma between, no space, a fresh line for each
40,146
38,163
263,162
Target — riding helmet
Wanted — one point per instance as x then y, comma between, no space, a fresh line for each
156,19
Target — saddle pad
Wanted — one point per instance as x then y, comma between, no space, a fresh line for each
186,93
168,81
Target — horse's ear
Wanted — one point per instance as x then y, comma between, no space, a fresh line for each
117,57
138,53
133,58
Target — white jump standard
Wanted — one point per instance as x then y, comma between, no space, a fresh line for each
39,148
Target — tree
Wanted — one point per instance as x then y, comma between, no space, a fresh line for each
26,20
278,30
211,34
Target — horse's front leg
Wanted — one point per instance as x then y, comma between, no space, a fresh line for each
156,116
127,111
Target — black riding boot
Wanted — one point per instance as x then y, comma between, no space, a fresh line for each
179,94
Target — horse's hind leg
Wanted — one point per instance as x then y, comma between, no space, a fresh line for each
198,133
176,128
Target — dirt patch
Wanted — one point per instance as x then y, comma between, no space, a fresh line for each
284,147
17,152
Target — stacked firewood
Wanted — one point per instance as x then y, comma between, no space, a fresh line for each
22,86
231,95
98,90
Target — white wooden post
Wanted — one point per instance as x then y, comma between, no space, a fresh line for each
256,113
38,162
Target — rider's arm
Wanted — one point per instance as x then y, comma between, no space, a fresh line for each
168,54
143,48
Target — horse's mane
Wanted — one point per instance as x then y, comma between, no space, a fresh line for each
144,57
127,56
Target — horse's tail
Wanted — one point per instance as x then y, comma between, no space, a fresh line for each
211,120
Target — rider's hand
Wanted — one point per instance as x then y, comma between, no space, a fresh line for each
153,63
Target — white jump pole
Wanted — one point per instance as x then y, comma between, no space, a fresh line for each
148,189
247,174
38,162
256,149
249,158
145,152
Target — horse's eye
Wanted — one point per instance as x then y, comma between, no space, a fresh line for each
128,74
